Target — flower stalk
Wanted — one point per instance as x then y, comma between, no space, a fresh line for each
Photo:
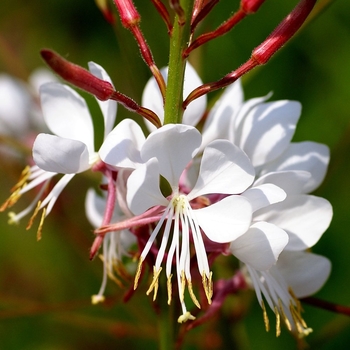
173,110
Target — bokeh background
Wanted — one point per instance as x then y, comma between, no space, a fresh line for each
45,287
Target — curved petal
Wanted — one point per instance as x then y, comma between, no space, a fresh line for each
59,155
220,121
224,169
264,195
260,246
268,129
152,99
292,181
305,218
109,107
143,188
308,156
41,76
174,145
66,113
94,207
226,220
122,146
304,272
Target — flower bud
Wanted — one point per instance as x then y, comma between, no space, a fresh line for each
128,13
77,75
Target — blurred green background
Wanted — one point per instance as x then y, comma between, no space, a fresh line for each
45,287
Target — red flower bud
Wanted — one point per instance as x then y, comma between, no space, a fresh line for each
128,13
77,75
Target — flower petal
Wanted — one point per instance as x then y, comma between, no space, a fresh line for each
143,188
260,246
224,169
304,272
292,181
174,145
122,146
268,129
109,107
308,156
94,207
59,155
264,195
66,113
305,218
152,99
220,120
226,220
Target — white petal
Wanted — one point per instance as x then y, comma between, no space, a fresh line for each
304,272
224,169
152,99
264,195
94,207
260,246
14,106
66,113
268,129
59,155
305,218
122,146
143,188
308,156
220,121
109,107
41,76
174,145
292,181
225,221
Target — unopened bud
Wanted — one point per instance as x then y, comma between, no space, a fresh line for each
128,13
77,75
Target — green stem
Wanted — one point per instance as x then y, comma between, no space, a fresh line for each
173,110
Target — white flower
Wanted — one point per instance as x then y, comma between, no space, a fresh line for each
225,169
280,226
69,151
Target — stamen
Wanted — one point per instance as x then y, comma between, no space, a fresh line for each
40,228
284,317
278,322
155,283
193,297
208,286
23,179
185,317
169,289
138,273
182,287
31,220
266,318
13,199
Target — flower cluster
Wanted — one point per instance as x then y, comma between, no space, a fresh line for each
237,187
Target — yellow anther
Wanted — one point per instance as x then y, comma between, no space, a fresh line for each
22,180
183,285
284,317
193,297
208,286
138,273
96,299
169,288
40,228
12,218
278,322
36,211
185,317
155,283
266,318
14,197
